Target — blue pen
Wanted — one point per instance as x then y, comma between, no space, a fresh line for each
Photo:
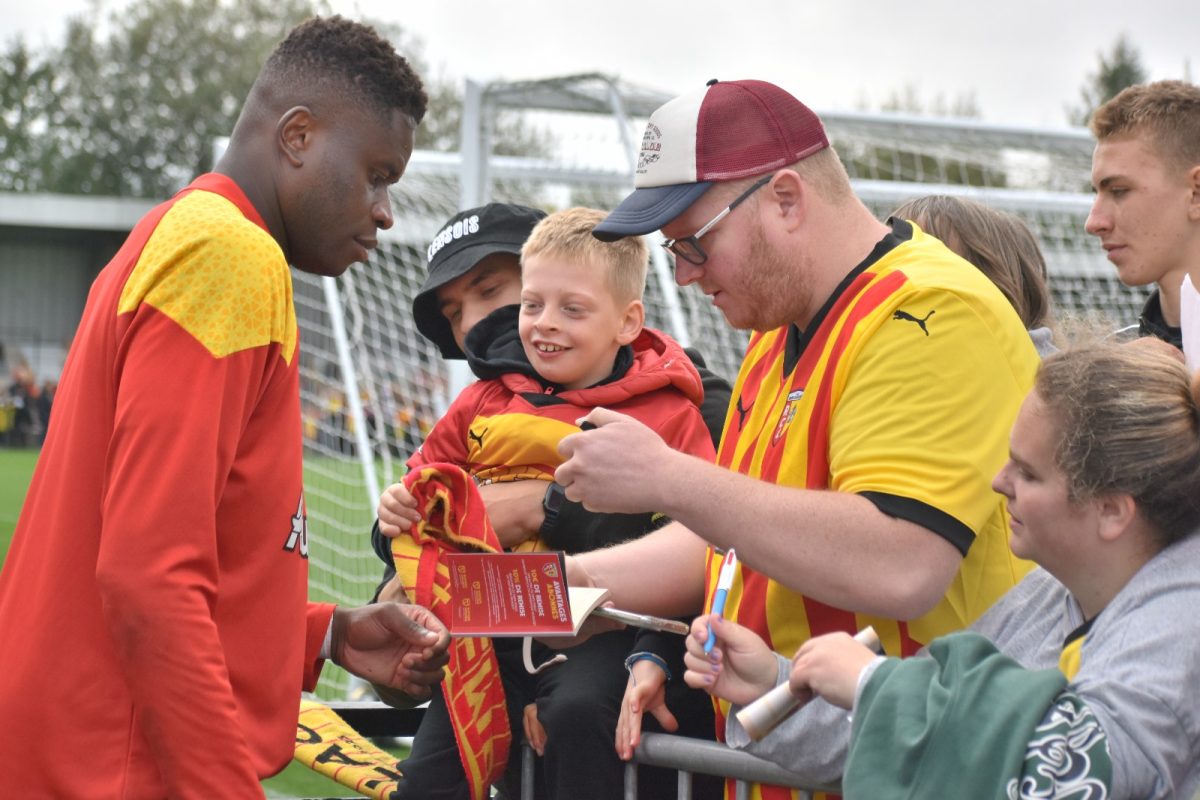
724,584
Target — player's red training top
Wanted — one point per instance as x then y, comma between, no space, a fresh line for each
153,618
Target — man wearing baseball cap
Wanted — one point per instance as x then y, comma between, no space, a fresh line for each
870,411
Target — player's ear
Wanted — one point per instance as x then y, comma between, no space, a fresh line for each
632,322
294,133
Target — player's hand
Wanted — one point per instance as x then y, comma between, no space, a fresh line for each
397,510
617,467
740,668
645,691
829,665
535,734
401,646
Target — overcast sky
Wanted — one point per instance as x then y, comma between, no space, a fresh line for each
1023,60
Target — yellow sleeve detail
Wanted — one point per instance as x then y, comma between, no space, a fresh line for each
221,278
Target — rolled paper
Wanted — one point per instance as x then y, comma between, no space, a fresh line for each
764,714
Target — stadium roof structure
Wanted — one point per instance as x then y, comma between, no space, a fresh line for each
71,212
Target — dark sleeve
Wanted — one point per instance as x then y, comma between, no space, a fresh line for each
389,572
383,548
381,544
667,646
578,530
717,392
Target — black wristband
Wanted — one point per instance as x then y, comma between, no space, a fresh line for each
552,503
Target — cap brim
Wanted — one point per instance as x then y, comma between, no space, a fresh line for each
648,209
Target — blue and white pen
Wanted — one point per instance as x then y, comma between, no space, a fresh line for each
724,584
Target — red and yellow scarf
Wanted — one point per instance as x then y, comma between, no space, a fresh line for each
453,519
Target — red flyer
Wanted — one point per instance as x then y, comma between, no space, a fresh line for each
507,594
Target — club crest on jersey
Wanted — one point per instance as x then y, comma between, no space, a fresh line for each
785,417
298,535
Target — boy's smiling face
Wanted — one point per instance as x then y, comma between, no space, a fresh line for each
571,325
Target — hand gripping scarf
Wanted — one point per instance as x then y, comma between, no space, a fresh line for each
453,519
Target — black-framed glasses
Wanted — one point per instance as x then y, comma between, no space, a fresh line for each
689,248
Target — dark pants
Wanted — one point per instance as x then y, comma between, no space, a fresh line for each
578,703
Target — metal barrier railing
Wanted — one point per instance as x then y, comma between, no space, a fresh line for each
685,755
690,756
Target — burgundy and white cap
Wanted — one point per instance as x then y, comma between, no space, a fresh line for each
721,132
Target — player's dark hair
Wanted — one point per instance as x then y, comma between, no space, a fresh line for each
349,59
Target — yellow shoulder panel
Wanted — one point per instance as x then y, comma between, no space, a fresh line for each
221,278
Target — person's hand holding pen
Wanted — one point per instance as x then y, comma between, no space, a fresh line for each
739,669
724,584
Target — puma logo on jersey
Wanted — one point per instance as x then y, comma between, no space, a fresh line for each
477,438
904,315
742,412
298,536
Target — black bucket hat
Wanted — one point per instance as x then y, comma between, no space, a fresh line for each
466,239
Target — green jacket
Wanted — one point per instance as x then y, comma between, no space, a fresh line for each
971,722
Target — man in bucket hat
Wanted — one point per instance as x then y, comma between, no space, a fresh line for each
873,403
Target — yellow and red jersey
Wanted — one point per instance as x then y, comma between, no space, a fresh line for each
153,603
902,390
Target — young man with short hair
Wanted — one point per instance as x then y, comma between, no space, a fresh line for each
153,603
1146,173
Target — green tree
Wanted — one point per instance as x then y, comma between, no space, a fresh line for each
1119,69
135,110
26,82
